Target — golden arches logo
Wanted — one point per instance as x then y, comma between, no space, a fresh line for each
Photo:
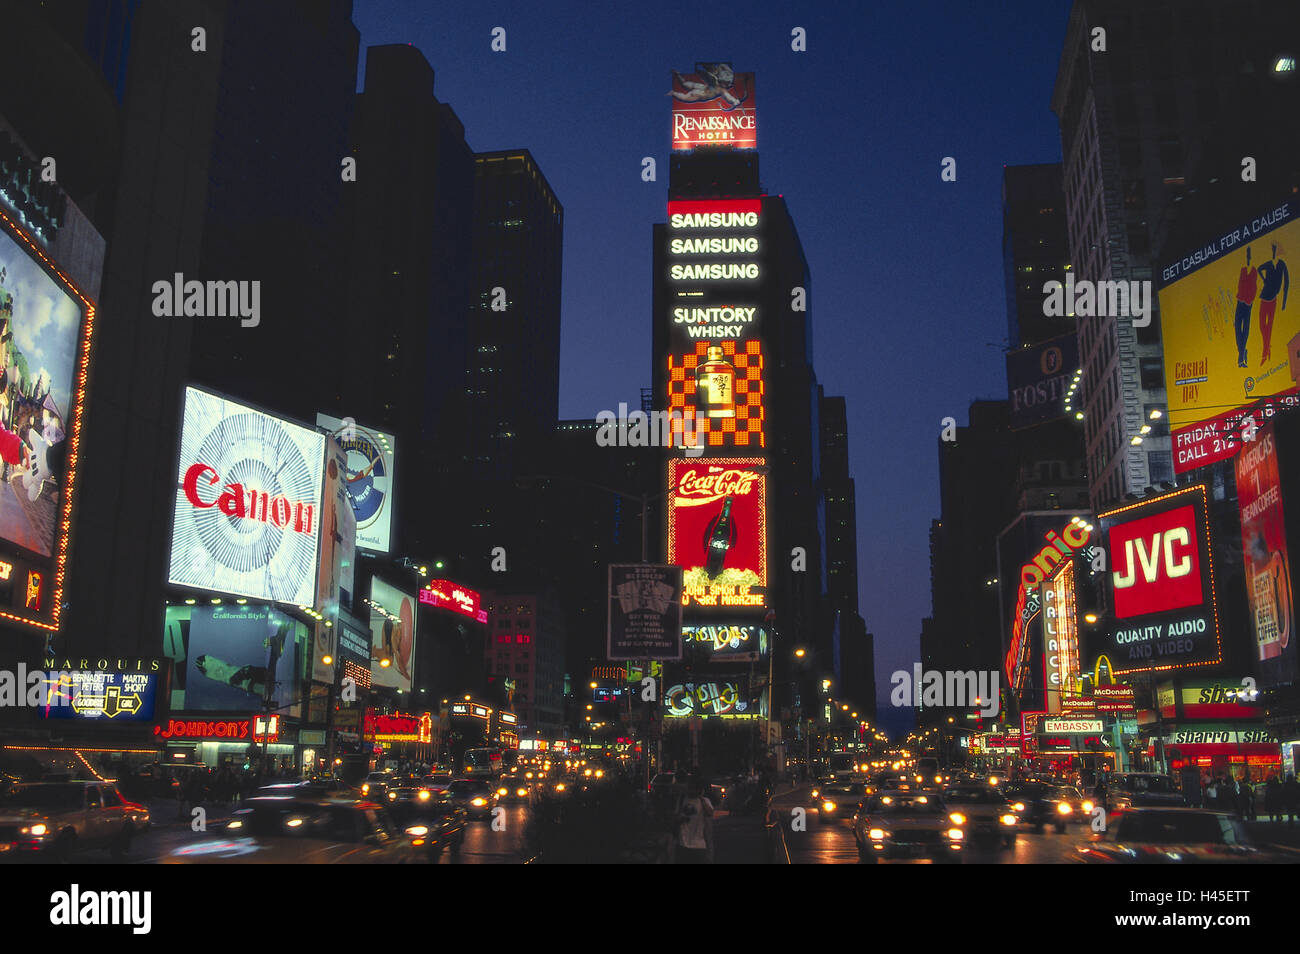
1096,670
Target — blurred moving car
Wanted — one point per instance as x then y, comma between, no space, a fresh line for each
1039,804
1081,805
279,830
986,812
55,819
1142,789
908,824
1173,836
436,823
376,784
838,800
476,796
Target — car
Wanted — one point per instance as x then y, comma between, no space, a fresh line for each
837,800
908,824
515,788
1038,804
476,796
1173,836
305,830
986,812
56,819
436,823
1081,805
376,784
1142,789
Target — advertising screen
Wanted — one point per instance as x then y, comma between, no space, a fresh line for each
726,643
717,530
45,329
1038,379
392,636
248,502
1229,335
722,697
369,479
444,594
111,695
227,658
1166,611
1267,561
716,395
714,106
337,555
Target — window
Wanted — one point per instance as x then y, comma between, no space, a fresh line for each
1152,374
1160,467
111,799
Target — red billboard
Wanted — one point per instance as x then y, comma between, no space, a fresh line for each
717,530
445,594
714,107
1166,613
1267,562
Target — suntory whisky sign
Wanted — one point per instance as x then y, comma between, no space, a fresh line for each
247,502
717,530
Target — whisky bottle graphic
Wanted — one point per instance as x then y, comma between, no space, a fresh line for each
719,537
715,385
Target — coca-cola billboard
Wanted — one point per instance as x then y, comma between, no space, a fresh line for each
717,530
248,502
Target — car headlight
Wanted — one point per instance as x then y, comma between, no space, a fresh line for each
424,795
521,792
365,789
37,829
559,786
502,793
1008,819
1019,806
956,834
828,806
877,834
816,793
479,802
957,818
419,831
392,796
1087,807
938,778
1063,809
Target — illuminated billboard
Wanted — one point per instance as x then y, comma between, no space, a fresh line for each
717,530
1062,674
1266,556
45,331
716,391
1229,337
231,657
248,502
727,698
714,106
114,695
445,594
337,556
369,479
1166,613
645,612
726,643
392,636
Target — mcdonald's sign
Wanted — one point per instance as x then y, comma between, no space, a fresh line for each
1096,670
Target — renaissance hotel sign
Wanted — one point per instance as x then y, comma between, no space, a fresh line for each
713,107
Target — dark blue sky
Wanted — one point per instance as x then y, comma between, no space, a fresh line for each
909,312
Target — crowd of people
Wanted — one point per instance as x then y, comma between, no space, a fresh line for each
1280,799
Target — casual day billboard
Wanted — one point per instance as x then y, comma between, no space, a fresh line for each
1231,335
248,502
45,330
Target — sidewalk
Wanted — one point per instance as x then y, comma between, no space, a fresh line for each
752,839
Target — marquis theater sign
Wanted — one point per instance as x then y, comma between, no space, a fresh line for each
1166,612
714,106
248,498
717,530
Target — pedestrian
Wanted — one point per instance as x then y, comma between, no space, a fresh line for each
1273,798
695,826
1246,799
1291,797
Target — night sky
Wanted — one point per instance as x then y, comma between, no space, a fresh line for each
907,299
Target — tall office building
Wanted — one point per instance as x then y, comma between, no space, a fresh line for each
1140,104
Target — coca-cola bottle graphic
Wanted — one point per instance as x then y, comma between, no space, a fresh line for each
719,537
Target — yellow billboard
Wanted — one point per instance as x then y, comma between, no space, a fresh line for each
1231,336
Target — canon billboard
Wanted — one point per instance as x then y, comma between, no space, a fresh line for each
248,502
1162,574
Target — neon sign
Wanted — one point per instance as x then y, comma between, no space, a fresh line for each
445,594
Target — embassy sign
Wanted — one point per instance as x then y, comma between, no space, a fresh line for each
1166,612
